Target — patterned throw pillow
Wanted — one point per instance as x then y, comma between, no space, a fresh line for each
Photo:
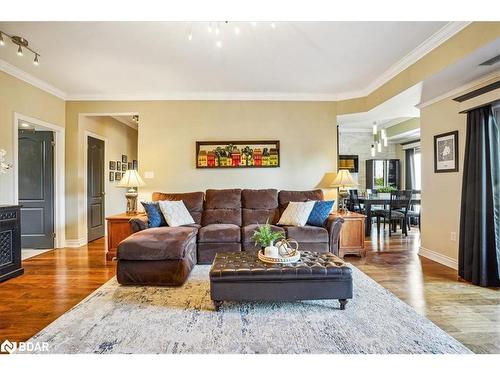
155,217
320,213
176,213
296,213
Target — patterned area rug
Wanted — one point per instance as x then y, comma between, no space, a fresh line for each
117,319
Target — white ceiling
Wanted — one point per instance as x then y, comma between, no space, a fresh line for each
155,60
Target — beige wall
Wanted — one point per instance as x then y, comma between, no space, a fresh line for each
19,96
441,192
168,131
120,139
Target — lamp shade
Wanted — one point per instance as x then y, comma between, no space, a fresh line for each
343,179
131,179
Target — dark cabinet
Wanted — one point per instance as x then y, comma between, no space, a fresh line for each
383,172
10,242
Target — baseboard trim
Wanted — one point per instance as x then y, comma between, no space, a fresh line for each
437,257
76,243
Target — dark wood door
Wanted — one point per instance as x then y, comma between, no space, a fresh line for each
36,188
95,189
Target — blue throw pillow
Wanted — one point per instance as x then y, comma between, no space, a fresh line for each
320,213
155,217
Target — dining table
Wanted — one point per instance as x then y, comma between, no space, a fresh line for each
379,200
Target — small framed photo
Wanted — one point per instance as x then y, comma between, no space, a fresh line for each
134,164
111,176
118,165
129,165
124,158
112,165
124,166
118,176
446,152
123,174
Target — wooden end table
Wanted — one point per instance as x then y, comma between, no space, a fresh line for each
119,228
352,234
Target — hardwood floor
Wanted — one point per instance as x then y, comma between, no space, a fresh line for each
469,313
57,280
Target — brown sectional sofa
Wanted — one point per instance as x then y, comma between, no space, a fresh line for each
225,221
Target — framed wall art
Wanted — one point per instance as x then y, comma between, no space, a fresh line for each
237,154
446,152
112,165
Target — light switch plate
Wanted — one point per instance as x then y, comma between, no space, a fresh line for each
149,174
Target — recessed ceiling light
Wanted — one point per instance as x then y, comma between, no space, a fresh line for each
25,125
218,44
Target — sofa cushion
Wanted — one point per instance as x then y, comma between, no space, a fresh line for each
223,198
286,196
248,230
222,207
296,213
175,213
307,233
259,199
192,201
155,216
163,243
220,233
320,212
259,206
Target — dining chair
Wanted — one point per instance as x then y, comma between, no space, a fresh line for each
397,213
413,213
354,200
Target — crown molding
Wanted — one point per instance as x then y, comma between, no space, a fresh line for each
32,80
226,96
459,90
343,129
420,51
434,41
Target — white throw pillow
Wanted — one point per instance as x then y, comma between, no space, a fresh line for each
296,213
176,213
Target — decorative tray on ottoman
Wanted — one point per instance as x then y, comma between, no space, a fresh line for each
294,258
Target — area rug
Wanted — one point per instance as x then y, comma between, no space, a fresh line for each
118,319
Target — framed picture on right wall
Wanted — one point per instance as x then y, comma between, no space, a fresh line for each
446,152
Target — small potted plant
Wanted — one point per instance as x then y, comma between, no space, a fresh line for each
385,191
265,237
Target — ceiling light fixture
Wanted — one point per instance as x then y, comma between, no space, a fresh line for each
21,43
217,28
375,131
373,151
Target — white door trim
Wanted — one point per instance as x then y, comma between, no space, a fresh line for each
86,135
59,175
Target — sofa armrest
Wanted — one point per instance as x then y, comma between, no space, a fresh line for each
333,226
139,223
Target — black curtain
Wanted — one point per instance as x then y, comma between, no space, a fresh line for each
479,248
409,169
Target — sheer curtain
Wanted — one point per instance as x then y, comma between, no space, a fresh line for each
479,248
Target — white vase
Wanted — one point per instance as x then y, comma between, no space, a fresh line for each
271,251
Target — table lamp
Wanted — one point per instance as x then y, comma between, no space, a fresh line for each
131,180
342,182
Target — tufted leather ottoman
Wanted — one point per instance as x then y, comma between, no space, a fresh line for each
243,277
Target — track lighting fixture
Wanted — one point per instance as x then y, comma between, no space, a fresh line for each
21,43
